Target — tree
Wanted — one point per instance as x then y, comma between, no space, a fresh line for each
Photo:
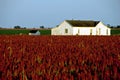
17,27
118,26
41,26
25,28
57,25
108,25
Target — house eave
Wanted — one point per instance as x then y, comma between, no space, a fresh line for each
84,26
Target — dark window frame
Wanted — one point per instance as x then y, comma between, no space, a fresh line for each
66,30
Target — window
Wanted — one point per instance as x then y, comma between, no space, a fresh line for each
106,31
99,31
96,32
90,31
66,30
78,30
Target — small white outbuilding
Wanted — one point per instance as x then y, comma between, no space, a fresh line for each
34,32
80,27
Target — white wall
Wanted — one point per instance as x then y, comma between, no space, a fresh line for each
55,31
84,31
60,30
101,29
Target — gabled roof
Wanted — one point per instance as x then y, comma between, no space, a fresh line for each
81,23
33,31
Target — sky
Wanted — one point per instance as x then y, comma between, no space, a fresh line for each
49,13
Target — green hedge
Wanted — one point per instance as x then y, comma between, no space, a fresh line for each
115,31
25,31
45,32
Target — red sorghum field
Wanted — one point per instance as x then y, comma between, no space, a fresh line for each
59,57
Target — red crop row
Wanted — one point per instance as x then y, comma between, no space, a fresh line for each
59,57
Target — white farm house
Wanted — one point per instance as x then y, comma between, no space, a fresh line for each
78,27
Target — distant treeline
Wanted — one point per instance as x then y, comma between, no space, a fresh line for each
118,26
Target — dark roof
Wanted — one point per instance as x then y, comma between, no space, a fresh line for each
80,23
33,31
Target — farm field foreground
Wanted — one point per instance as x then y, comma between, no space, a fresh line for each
59,57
